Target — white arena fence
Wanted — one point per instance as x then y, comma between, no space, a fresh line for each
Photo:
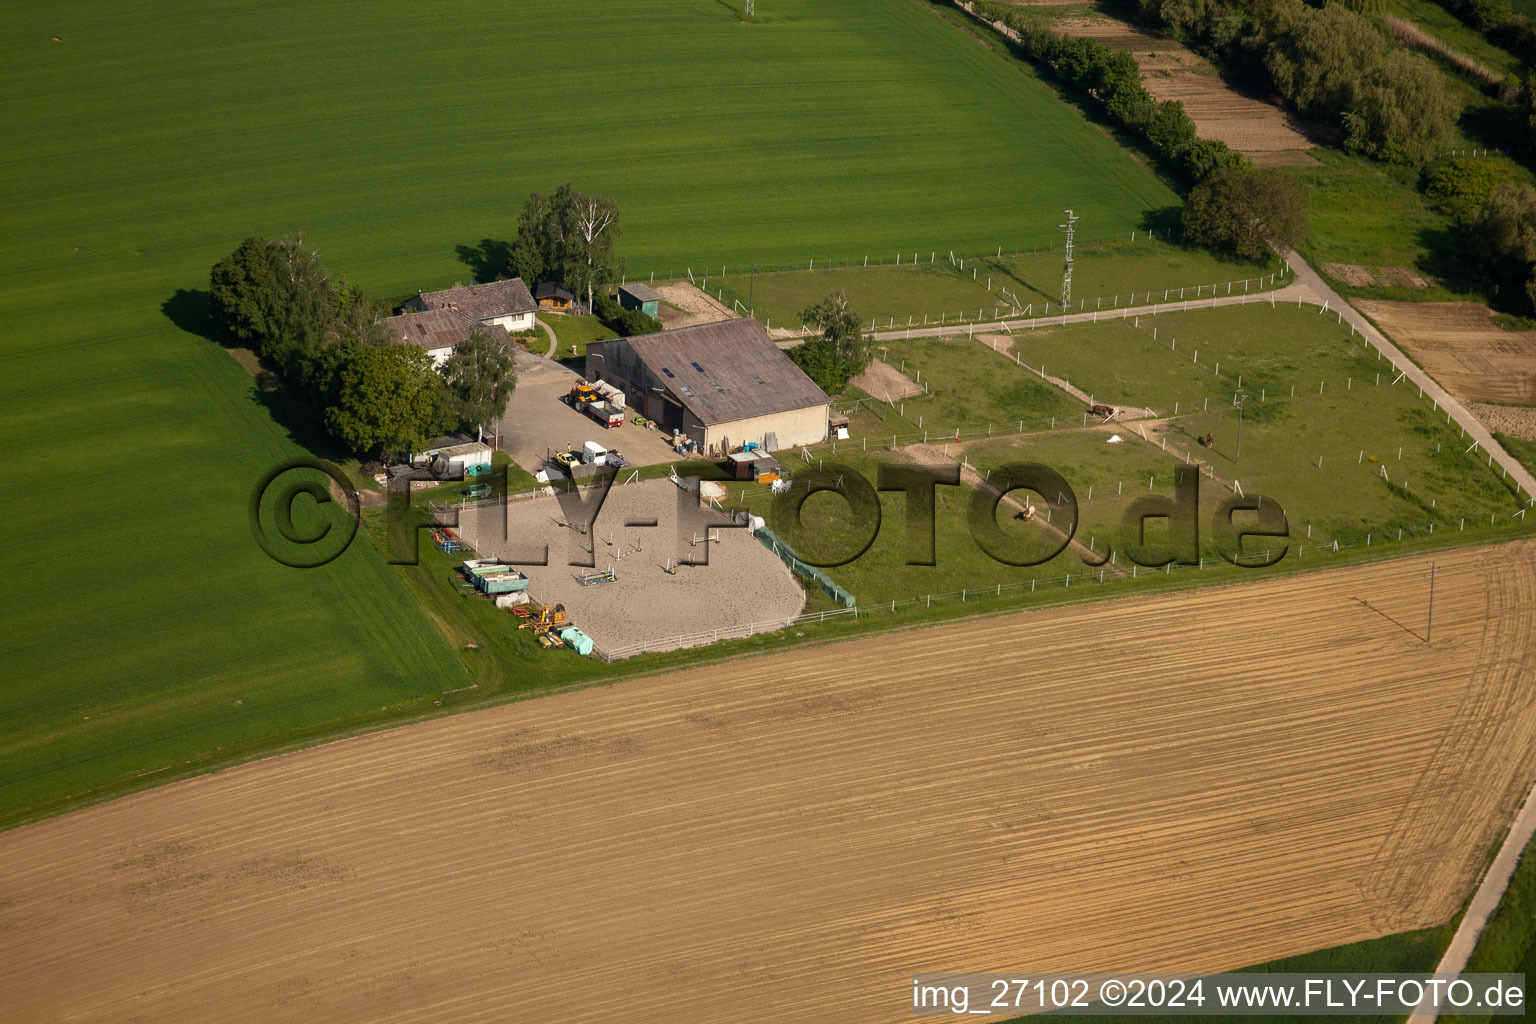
711,636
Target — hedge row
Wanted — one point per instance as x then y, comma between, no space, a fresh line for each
1112,78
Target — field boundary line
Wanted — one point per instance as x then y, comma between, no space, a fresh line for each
1490,892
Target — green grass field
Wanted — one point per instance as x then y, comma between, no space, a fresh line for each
1360,211
1203,354
1445,26
1521,449
887,294
146,634
1389,460
575,331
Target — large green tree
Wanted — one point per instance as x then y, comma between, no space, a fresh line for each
568,236
840,351
481,375
278,298
540,250
1402,112
243,292
1503,236
1332,62
1246,209
592,258
389,400
1460,186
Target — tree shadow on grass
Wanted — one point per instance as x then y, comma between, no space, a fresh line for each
490,260
1165,223
304,424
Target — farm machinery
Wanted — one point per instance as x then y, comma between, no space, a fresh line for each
544,620
447,541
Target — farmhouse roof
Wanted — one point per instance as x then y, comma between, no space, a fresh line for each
727,370
433,329
483,301
643,292
548,288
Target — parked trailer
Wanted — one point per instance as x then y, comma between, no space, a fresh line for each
606,413
492,577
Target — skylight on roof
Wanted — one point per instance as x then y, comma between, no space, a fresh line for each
686,391
669,373
696,366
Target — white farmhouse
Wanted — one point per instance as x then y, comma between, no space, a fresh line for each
439,331
504,304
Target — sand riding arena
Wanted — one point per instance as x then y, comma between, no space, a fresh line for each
644,534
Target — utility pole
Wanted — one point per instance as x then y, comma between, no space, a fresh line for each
752,283
1431,625
1066,271
1239,399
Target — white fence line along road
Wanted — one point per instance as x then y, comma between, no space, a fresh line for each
1009,325
701,273
1311,284
1103,308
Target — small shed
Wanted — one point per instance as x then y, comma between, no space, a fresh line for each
449,460
642,297
757,466
553,295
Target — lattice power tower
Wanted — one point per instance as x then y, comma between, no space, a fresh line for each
751,8
1066,269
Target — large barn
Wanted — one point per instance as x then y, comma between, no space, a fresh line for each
721,384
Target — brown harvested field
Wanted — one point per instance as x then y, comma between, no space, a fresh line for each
1263,132
1461,348
1188,782
1365,277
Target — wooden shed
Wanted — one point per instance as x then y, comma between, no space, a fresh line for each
553,295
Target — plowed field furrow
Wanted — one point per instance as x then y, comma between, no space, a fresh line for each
1187,782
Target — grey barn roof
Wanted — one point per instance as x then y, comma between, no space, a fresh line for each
727,370
483,301
643,292
436,328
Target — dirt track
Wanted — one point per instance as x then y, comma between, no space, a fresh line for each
1192,782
